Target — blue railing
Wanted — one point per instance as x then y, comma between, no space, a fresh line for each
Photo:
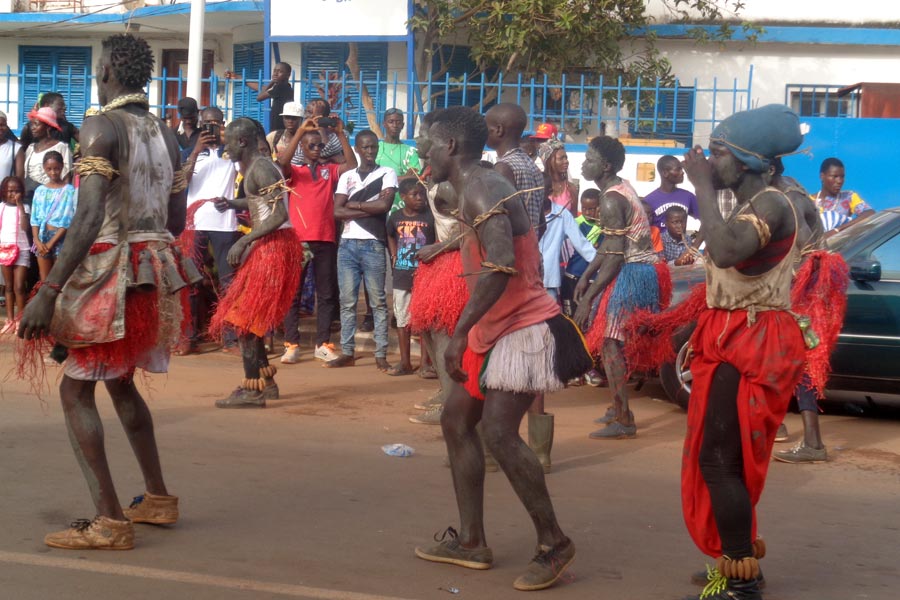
820,100
581,105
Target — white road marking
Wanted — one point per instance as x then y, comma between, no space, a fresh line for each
231,583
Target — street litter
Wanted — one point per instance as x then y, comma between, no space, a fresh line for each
398,450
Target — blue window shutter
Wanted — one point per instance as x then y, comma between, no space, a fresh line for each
249,59
328,60
459,66
674,117
60,69
321,61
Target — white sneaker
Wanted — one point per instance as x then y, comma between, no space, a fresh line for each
326,352
291,355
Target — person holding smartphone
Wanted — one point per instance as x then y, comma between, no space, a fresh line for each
210,177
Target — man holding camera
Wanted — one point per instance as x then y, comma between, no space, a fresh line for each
311,210
210,177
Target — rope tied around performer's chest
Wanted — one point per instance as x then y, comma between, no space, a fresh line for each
497,209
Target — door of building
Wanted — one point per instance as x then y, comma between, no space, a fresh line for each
175,63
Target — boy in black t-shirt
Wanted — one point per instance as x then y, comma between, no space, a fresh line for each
408,230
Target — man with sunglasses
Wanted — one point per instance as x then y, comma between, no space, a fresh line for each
332,151
311,210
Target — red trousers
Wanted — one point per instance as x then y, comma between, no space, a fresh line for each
769,355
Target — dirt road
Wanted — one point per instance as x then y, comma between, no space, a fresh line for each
298,500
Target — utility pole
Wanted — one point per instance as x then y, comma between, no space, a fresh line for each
195,49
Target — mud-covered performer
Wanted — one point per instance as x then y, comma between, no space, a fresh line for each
748,349
112,316
440,293
267,262
510,343
625,276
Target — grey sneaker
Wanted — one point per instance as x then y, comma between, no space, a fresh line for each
801,453
436,400
782,434
241,398
546,567
608,417
614,431
432,416
449,550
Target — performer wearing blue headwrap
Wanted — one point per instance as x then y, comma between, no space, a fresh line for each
748,348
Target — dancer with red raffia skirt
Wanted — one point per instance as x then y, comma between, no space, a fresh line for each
132,203
268,262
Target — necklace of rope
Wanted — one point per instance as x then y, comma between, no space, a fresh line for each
125,100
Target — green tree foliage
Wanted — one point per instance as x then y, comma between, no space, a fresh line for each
552,37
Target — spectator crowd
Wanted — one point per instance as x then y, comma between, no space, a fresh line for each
363,211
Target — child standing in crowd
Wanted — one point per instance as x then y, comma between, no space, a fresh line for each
408,229
655,235
13,262
675,245
51,213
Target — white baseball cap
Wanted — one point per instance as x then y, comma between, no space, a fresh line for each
292,109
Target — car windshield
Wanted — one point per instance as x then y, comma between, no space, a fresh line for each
841,239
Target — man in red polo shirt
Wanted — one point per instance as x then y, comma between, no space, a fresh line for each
311,209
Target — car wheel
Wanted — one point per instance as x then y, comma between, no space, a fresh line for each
676,377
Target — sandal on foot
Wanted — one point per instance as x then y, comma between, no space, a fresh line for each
398,371
427,373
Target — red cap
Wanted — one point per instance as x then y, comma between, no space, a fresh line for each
546,131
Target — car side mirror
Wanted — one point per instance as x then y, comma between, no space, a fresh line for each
865,270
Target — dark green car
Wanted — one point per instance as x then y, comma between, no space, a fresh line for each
867,355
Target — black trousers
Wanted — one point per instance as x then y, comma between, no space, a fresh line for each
219,242
722,465
327,308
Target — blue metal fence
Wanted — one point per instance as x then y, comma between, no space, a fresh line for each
580,105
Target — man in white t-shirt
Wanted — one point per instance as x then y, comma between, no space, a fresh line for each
211,177
363,198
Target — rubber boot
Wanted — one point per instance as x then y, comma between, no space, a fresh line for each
540,438
490,464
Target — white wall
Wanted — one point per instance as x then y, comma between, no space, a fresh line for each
803,11
776,64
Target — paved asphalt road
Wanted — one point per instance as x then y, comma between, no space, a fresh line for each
298,500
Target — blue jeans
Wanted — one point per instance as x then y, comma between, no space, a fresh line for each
362,261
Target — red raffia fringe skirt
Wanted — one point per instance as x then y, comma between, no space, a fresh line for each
819,291
649,335
769,356
152,319
439,294
263,287
630,292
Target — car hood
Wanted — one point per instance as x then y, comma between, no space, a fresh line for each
684,278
